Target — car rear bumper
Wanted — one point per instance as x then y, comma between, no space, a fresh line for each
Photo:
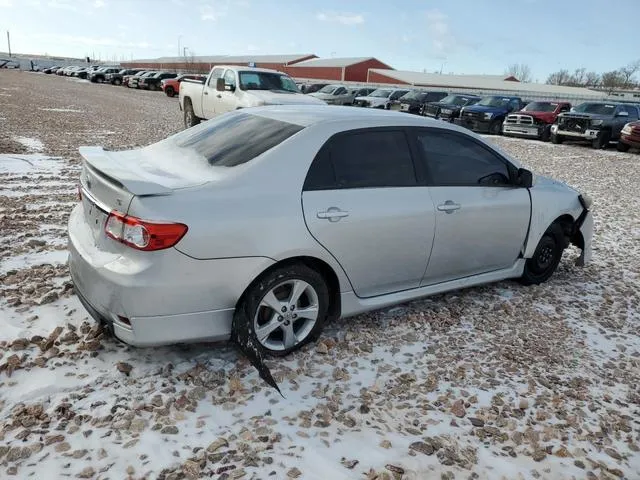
157,298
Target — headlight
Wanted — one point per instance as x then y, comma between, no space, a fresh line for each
446,110
596,123
487,116
627,129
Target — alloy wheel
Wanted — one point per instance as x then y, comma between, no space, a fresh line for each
286,315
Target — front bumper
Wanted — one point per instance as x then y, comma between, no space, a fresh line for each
527,131
480,126
157,298
588,134
632,140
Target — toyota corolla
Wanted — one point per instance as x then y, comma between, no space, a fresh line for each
286,216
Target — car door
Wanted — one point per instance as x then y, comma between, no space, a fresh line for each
482,219
365,202
227,101
210,94
340,94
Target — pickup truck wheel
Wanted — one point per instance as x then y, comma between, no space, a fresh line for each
99,80
546,257
190,119
556,139
622,147
170,92
546,133
602,140
117,81
496,127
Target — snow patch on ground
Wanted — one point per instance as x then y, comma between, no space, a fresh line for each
32,144
64,110
28,260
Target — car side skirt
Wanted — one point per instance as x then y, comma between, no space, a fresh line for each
353,305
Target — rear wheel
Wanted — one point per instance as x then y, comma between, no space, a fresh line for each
495,128
546,257
170,92
622,147
99,80
602,140
117,81
190,119
283,310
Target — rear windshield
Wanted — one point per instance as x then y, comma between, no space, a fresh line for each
235,138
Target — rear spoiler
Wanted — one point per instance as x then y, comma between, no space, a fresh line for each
111,165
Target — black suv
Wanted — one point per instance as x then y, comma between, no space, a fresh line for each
596,122
152,82
415,100
448,109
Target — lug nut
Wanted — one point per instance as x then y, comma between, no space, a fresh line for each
280,318
284,309
293,307
294,316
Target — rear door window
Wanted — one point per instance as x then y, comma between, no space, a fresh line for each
234,139
364,159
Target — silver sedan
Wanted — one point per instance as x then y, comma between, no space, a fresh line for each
276,219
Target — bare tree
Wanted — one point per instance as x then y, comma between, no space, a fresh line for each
592,79
521,71
578,78
612,80
627,73
560,77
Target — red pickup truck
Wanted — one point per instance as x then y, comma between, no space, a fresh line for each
171,86
629,137
534,120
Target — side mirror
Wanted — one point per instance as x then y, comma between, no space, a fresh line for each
622,114
524,178
220,84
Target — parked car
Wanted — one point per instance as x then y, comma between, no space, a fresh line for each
9,63
152,82
171,86
100,75
62,71
534,120
629,137
116,78
134,81
448,109
380,98
352,224
230,87
50,70
127,78
80,72
489,113
307,88
415,100
335,94
595,122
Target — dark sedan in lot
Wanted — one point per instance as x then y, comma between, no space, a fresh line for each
415,100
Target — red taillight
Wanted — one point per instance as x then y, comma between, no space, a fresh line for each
143,235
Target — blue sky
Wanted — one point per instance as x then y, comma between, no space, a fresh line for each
459,36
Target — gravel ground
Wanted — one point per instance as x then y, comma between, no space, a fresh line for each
499,381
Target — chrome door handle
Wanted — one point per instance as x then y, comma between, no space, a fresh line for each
333,214
449,206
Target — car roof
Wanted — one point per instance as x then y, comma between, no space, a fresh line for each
308,115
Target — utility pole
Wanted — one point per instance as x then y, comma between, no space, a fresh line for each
184,51
179,37
9,42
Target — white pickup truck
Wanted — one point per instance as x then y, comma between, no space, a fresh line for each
229,88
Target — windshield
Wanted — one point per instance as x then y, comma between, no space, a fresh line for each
414,95
597,108
381,92
267,81
234,138
455,100
494,102
540,107
328,89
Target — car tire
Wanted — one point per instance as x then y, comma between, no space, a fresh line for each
170,92
264,312
99,80
546,133
602,140
117,81
556,139
495,128
190,119
546,256
622,147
